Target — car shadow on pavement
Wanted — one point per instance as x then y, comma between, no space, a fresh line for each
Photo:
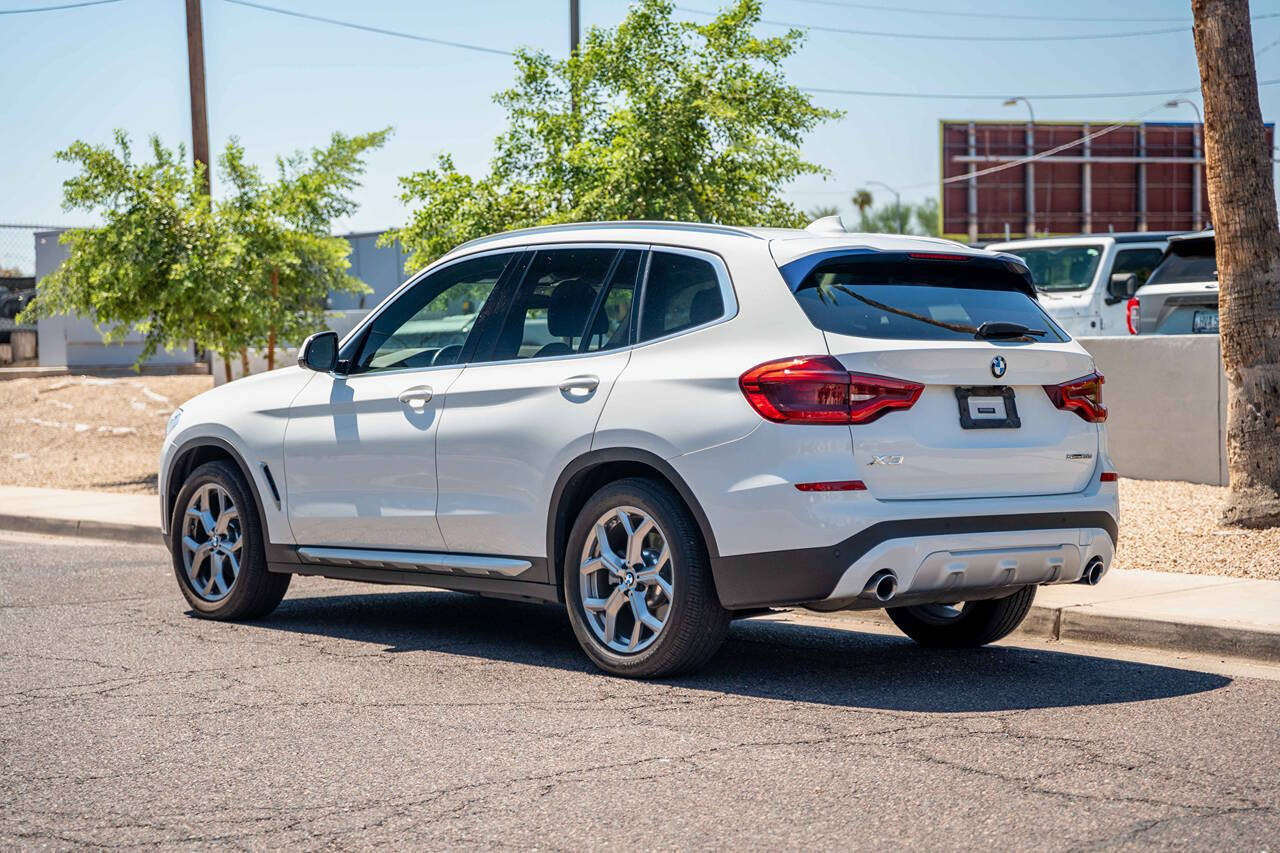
766,659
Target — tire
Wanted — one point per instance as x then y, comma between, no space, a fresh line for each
247,593
976,624
693,622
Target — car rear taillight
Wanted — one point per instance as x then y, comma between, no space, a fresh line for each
1082,396
817,389
1131,315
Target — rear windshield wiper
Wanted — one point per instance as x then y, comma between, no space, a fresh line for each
1002,330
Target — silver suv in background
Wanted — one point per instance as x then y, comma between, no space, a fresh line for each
1181,296
1084,282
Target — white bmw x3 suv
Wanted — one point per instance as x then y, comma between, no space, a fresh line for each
663,426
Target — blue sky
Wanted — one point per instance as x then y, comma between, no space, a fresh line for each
279,83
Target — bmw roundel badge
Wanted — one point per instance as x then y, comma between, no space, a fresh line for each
998,366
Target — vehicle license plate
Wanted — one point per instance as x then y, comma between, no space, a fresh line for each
989,407
1205,322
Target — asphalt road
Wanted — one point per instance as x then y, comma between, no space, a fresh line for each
359,715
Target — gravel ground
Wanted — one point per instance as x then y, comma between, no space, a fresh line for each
83,432
1171,526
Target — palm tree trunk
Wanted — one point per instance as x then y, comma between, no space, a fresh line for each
1242,198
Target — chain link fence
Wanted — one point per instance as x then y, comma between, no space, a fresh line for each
18,248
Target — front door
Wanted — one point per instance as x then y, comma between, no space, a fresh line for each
360,446
523,410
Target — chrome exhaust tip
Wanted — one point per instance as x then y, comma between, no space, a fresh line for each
1092,572
881,586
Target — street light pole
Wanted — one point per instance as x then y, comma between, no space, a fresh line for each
1197,170
1030,167
897,200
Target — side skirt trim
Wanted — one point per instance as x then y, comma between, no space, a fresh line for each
492,587
422,561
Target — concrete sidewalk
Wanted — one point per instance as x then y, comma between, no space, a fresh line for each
1207,614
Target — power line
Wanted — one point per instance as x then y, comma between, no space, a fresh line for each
943,37
990,96
996,15
57,8
368,29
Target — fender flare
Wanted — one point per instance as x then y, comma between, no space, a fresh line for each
607,455
166,505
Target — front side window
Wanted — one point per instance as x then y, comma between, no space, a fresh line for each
428,325
1140,262
918,300
569,301
1061,269
680,292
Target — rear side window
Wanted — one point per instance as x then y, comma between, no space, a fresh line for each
917,300
1187,262
680,292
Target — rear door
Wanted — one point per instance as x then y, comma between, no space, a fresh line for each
529,403
984,424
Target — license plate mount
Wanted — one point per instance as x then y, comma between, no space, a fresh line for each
987,407
1204,323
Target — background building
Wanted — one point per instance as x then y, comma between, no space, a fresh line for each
1146,176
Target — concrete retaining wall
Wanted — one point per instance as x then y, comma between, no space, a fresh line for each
1167,398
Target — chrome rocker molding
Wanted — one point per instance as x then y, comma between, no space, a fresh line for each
423,561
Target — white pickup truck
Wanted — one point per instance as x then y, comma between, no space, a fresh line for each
1085,282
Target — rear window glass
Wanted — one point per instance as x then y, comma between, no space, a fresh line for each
1188,262
917,300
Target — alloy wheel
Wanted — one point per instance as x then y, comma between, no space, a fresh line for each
626,580
212,537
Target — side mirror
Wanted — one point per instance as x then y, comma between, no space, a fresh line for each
1121,286
319,352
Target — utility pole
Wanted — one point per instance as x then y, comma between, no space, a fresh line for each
195,72
574,26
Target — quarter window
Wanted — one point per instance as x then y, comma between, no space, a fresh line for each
680,292
428,326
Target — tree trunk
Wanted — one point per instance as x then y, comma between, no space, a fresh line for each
1242,198
244,361
271,334
226,367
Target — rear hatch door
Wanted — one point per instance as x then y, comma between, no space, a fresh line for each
984,424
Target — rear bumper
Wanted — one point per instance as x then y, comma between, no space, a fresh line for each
954,558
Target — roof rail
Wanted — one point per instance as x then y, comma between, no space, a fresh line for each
701,227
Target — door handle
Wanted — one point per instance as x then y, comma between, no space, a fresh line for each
583,385
417,397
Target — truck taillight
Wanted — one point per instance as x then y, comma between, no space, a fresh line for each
1082,396
817,389
1131,314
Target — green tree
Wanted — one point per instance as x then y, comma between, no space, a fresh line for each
891,218
287,255
820,211
655,119
176,267
862,199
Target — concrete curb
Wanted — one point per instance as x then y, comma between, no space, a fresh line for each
136,534
1078,624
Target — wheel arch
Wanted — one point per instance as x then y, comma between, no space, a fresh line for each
586,474
191,455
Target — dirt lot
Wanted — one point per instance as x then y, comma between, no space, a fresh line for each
87,433
83,432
